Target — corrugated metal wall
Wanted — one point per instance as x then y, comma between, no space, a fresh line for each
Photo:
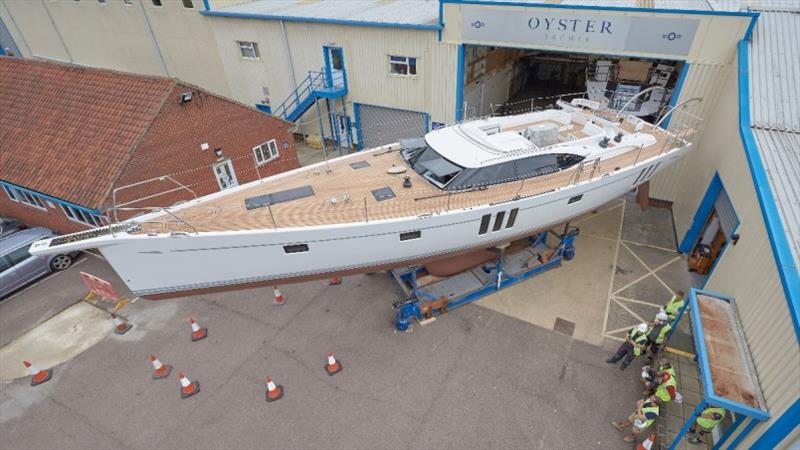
704,81
747,270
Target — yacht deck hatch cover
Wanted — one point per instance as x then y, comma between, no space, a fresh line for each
278,197
359,164
384,193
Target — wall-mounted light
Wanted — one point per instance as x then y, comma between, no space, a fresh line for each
186,97
735,238
218,152
204,146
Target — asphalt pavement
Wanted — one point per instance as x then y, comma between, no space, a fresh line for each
474,378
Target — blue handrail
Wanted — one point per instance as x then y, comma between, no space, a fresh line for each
314,81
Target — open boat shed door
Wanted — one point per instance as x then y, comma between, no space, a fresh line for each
726,367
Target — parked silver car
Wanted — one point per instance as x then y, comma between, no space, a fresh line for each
18,267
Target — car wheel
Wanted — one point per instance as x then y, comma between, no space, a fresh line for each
60,262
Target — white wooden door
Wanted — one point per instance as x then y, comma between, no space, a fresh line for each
226,177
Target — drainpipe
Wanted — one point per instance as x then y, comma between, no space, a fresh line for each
58,33
153,37
288,56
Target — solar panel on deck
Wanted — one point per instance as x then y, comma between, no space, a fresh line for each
382,194
359,164
278,197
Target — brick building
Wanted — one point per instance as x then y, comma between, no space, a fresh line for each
75,141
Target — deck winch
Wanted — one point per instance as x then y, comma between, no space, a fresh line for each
429,295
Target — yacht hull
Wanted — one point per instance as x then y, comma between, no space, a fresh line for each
168,266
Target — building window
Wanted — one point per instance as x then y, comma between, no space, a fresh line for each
157,3
188,4
128,2
403,65
76,215
266,152
102,2
11,194
30,199
249,50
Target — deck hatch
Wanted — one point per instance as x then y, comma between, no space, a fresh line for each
384,193
359,164
278,197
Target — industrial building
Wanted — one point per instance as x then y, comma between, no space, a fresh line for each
365,73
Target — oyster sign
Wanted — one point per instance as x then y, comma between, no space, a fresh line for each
542,28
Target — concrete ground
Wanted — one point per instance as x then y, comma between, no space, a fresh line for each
491,374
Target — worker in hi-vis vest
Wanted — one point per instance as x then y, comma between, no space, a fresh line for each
667,388
674,305
657,338
634,345
706,421
646,413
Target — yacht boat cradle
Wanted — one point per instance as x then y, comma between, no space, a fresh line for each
467,186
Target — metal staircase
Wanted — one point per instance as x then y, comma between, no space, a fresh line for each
318,84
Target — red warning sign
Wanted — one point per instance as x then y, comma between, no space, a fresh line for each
99,287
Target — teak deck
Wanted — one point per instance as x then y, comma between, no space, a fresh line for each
341,181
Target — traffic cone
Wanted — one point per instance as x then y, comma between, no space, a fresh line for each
120,326
38,376
279,298
197,332
160,370
188,388
647,444
333,367
335,281
274,392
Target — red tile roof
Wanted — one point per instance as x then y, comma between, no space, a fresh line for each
67,130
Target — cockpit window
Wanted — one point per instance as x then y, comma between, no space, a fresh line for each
431,165
530,167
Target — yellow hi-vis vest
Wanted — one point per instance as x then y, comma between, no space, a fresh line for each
652,408
662,334
711,423
673,306
639,341
661,390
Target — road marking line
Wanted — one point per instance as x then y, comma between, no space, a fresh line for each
630,311
671,250
653,271
42,280
614,267
94,254
619,297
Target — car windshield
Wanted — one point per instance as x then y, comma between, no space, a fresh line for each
431,165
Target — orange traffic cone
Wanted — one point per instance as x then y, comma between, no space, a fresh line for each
647,444
335,281
188,388
120,326
38,376
333,367
159,370
279,298
197,332
274,392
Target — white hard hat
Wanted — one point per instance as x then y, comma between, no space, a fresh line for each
642,327
662,316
